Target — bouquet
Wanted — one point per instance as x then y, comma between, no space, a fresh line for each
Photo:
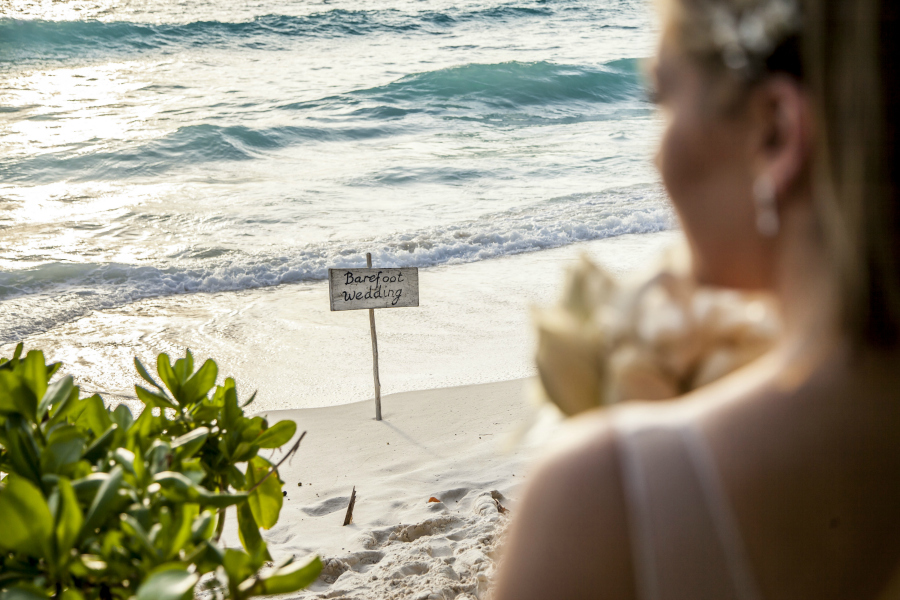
651,339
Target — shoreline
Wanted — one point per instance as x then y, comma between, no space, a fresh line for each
473,325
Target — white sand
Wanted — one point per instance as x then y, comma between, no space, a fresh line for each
446,443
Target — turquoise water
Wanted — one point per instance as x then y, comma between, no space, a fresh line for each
151,148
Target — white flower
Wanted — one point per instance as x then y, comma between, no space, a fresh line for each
753,33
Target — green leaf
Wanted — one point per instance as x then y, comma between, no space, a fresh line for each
248,531
133,527
151,399
168,582
63,408
266,500
140,468
237,479
64,447
252,428
175,486
55,394
232,411
146,427
103,501
87,487
188,444
205,412
16,397
177,533
158,457
202,527
48,482
101,532
100,445
167,374
35,373
125,458
197,387
94,415
23,592
178,488
184,366
290,578
7,404
277,435
123,417
244,452
238,566
211,500
52,368
145,375
23,450
68,519
27,523
207,555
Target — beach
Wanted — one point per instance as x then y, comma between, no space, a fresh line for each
182,176
459,424
438,479
452,444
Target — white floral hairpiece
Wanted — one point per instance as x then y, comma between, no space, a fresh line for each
755,33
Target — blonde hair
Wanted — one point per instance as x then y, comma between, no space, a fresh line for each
846,54
851,55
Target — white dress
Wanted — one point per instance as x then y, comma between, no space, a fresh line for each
685,540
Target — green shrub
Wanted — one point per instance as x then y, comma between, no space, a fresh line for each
97,504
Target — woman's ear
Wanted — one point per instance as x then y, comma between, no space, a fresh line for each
783,116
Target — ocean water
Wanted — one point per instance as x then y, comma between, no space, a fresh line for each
155,149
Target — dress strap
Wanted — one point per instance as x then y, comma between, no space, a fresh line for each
677,511
721,513
640,528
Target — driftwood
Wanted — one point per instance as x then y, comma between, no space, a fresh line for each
348,518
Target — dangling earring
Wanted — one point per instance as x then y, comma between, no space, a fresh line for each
767,222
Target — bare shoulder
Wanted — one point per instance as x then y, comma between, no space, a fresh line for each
569,538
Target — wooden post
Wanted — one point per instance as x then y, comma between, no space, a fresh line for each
374,351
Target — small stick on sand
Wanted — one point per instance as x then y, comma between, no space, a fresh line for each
349,517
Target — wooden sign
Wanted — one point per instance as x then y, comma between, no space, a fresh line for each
357,289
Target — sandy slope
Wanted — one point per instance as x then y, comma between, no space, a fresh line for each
446,443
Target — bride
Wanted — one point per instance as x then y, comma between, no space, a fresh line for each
781,480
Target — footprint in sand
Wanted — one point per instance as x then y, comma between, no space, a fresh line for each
326,507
